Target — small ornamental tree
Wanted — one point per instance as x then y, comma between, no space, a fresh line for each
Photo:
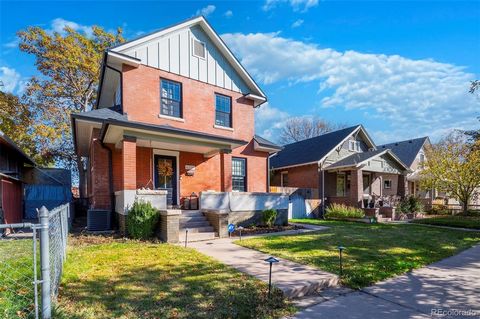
142,219
453,166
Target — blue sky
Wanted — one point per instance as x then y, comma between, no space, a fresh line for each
400,68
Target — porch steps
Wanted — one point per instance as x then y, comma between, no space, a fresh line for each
199,227
382,219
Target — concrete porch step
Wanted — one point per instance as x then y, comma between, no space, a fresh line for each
197,229
191,213
197,236
194,224
192,218
383,219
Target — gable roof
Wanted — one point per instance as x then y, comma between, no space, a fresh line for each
311,150
406,150
360,158
256,94
263,142
16,148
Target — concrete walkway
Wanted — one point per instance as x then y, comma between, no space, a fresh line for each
452,284
294,279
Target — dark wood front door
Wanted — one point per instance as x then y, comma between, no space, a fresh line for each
165,168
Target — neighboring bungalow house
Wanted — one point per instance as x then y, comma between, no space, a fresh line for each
413,154
24,186
13,162
344,165
175,116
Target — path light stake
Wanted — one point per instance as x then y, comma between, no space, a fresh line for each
186,237
240,228
340,250
270,260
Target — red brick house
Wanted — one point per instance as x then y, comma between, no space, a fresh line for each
175,113
344,166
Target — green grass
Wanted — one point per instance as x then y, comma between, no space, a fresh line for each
16,279
131,279
452,221
374,252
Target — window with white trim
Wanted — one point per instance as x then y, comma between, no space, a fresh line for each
239,174
387,184
171,98
354,146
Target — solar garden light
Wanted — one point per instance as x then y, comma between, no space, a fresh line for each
340,250
186,237
240,228
270,260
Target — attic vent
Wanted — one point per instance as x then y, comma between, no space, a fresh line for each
199,49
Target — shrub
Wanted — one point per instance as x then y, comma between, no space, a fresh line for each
269,216
410,204
142,219
343,211
439,210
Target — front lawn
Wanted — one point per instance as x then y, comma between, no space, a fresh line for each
374,252
452,221
132,279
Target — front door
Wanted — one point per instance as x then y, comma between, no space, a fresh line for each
166,176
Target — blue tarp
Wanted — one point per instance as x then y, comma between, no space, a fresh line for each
49,196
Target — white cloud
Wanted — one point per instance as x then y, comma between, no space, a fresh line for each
297,5
228,13
412,97
206,11
269,121
12,80
12,44
297,23
59,25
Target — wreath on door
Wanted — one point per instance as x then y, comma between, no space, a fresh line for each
165,169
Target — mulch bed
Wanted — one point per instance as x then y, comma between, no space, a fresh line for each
256,230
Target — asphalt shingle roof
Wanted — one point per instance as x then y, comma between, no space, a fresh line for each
310,150
356,158
102,114
405,150
266,143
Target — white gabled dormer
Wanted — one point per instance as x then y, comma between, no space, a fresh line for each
191,49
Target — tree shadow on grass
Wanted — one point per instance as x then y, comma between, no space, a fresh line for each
186,291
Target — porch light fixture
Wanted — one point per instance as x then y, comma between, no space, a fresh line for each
270,260
340,250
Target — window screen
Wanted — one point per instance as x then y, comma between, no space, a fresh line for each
199,49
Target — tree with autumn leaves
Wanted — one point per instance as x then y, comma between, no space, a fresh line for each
69,68
453,166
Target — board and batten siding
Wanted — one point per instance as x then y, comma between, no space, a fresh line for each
172,52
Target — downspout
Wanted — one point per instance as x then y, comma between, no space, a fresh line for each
322,172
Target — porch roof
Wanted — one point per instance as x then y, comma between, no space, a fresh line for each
358,159
114,126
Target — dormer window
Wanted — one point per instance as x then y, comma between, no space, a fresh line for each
354,146
198,49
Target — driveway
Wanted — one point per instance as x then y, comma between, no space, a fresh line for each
449,288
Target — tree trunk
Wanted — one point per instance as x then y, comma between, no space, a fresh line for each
465,201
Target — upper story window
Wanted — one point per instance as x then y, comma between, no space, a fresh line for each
223,110
199,49
354,146
171,98
422,158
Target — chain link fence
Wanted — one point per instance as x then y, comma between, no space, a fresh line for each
31,261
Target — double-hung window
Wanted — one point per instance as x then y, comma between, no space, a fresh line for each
171,98
354,146
239,174
223,110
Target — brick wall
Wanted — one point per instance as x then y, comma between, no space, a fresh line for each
99,182
141,101
301,176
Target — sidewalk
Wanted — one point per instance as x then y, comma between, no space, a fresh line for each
452,284
294,279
